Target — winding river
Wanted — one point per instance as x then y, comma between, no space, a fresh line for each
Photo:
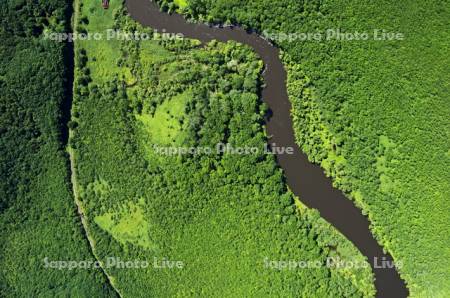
306,180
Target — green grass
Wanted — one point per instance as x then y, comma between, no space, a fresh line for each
150,52
164,127
104,61
181,3
128,225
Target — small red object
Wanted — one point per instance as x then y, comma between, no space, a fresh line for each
105,4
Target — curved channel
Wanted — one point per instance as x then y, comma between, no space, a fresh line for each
306,180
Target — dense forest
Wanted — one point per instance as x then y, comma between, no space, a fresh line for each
38,218
222,215
372,112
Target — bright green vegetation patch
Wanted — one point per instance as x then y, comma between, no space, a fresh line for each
388,147
39,223
165,126
128,225
181,3
151,52
373,113
224,216
107,46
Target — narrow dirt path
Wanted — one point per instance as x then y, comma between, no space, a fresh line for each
73,174
84,222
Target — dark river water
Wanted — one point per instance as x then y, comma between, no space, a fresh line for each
306,180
